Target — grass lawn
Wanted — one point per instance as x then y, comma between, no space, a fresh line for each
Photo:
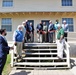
7,67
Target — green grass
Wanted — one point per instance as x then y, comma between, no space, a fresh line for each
7,67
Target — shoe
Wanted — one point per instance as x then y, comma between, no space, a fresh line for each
54,42
16,59
59,59
22,60
20,57
15,55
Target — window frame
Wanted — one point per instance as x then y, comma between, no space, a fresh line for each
70,22
7,24
8,3
67,2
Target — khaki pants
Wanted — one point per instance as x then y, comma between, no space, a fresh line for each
54,37
18,48
60,48
39,37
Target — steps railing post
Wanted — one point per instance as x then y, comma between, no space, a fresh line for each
12,58
68,54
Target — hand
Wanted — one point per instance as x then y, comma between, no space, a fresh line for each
15,43
11,48
60,41
48,31
23,41
44,32
51,31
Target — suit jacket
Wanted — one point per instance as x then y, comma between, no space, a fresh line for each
4,48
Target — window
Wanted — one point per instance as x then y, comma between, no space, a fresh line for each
69,21
7,3
7,24
66,2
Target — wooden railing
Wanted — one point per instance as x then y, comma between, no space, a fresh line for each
42,55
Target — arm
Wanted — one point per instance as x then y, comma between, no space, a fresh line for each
37,28
14,37
4,46
62,35
49,28
67,27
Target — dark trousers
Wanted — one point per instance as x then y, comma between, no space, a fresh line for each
27,37
44,37
31,37
2,63
50,36
65,36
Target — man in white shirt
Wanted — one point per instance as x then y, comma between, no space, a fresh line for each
24,30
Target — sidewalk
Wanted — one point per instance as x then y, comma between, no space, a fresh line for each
47,72
41,72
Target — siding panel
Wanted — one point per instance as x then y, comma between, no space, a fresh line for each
37,6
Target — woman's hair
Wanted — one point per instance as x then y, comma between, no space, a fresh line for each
2,30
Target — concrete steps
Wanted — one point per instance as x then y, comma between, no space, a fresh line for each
41,55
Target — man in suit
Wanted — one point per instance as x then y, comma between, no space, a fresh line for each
31,27
4,49
27,30
51,30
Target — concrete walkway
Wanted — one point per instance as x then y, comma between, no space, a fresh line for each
41,72
71,71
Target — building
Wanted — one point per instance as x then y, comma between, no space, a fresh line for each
13,12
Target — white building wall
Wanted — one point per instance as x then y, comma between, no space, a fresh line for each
38,6
37,17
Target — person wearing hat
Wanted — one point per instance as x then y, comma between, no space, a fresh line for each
66,29
60,41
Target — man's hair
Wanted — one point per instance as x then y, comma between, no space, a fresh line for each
2,30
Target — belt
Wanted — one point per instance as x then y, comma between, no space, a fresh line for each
59,38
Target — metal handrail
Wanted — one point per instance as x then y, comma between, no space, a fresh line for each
68,54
